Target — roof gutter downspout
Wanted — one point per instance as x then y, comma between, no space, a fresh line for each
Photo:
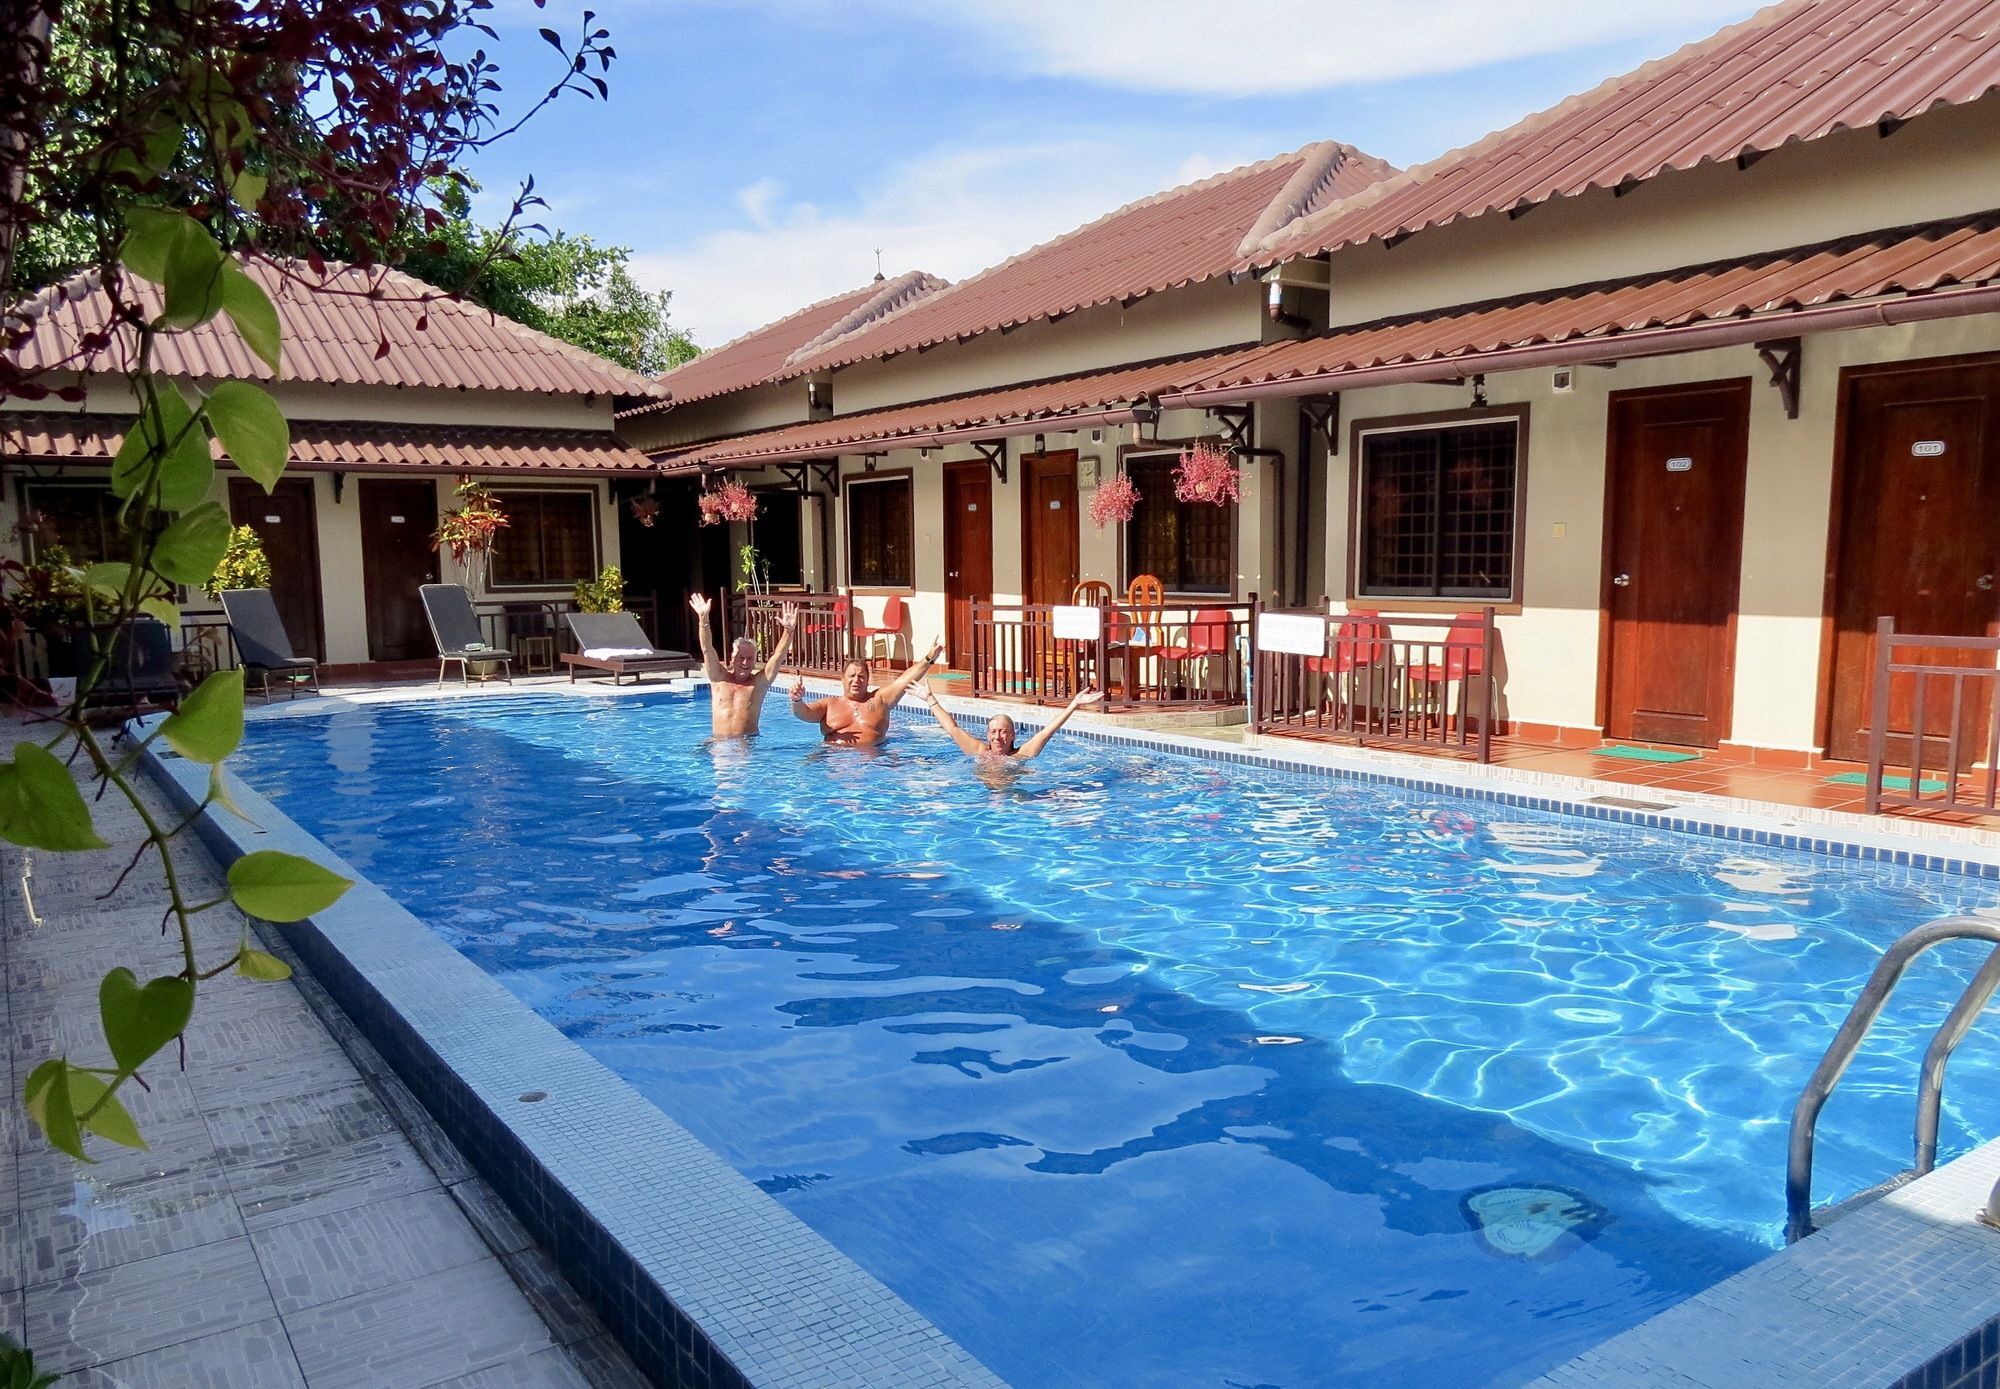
1651,342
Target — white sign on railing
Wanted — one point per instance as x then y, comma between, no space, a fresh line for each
1076,623
1296,634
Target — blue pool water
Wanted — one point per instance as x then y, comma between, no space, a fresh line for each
1145,1070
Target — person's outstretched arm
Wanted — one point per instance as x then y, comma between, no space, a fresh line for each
711,664
890,693
788,619
967,744
811,713
1034,745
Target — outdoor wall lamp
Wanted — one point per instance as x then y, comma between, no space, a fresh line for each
339,486
1479,390
1041,443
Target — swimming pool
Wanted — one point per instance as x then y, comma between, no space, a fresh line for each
1152,1070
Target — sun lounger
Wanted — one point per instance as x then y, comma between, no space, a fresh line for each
455,628
616,644
262,644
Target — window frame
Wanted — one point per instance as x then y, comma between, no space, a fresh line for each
1172,449
1434,421
848,483
590,494
32,488
783,493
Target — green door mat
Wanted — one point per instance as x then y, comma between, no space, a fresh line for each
1646,754
1889,783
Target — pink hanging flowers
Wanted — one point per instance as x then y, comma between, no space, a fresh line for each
1115,501
732,501
1205,474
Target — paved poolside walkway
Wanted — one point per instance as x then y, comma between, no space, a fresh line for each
298,1219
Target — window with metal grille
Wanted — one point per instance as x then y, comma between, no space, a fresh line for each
550,540
881,541
80,518
1437,511
1186,545
775,532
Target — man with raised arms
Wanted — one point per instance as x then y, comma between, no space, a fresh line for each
736,690
859,716
999,744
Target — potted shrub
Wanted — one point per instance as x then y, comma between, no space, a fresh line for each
470,529
604,594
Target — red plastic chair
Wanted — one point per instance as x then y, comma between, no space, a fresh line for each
1361,640
835,622
1464,658
891,625
1207,637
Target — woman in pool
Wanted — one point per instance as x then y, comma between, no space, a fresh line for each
999,742
859,716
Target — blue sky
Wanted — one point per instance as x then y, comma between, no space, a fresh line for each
754,153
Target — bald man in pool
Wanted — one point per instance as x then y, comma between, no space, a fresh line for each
858,716
999,743
736,690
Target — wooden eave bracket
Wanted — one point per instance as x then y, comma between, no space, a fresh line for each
994,451
1236,422
803,475
1782,358
1323,413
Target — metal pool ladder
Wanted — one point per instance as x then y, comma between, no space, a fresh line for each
1888,973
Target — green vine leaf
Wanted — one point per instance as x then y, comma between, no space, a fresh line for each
218,792
162,610
209,724
255,964
253,313
138,1022
252,430
107,578
40,805
46,1098
145,443
283,887
193,278
189,549
150,235
110,1119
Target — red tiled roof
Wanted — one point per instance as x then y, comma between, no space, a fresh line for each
1174,238
911,426
333,328
1764,293
760,354
319,444
1768,296
1794,71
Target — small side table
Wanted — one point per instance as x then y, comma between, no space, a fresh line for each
538,654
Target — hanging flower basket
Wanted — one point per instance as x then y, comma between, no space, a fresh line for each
731,501
470,529
646,510
1205,474
1114,503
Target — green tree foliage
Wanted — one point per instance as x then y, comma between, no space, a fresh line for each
569,287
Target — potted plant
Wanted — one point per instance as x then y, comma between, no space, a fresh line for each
731,501
1205,474
243,565
470,529
1114,502
604,594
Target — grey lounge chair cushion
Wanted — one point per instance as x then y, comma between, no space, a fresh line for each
260,633
455,626
619,631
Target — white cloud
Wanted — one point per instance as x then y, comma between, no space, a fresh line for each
952,213
1269,47
757,199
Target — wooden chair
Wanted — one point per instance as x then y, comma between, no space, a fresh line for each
1091,593
1135,632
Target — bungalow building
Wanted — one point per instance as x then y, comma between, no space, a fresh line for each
1690,379
393,393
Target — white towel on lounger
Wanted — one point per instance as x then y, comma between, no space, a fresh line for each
616,653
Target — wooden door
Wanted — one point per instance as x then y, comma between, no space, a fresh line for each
288,525
1674,521
1049,526
968,554
1919,508
397,519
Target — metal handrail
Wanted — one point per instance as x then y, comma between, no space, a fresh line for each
1930,1082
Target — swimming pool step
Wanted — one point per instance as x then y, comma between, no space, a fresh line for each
1824,1216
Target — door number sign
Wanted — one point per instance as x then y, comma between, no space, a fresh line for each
1680,465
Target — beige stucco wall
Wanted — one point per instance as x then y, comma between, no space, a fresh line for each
1551,647
760,407
1940,165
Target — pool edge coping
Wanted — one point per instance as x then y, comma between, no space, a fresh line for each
751,1294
